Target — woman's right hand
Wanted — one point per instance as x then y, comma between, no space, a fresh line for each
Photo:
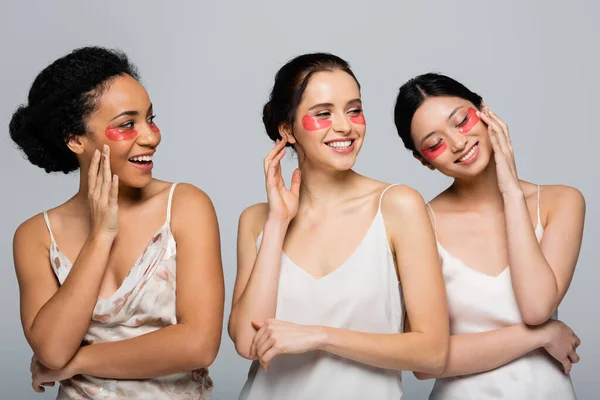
103,189
283,203
561,343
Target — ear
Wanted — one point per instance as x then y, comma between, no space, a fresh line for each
423,161
76,143
286,130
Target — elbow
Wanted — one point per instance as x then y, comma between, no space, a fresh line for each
243,349
536,315
53,360
436,360
423,376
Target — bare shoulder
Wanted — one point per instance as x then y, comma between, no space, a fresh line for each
191,208
32,231
401,200
186,192
561,197
562,193
252,219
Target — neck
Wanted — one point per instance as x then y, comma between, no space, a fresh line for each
481,190
127,194
324,188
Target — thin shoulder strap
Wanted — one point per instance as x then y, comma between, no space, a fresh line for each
382,193
169,203
48,225
434,221
538,205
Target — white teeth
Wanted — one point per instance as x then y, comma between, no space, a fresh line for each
468,155
341,145
142,158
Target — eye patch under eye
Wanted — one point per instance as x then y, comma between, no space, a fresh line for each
119,134
471,121
358,119
431,155
314,124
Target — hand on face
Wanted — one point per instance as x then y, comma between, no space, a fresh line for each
506,168
103,189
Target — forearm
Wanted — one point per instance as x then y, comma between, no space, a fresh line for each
58,328
534,282
259,299
411,351
480,352
169,350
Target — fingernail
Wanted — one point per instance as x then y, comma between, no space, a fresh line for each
105,148
96,152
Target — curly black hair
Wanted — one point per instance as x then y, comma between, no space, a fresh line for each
61,98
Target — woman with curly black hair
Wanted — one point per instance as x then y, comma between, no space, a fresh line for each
97,274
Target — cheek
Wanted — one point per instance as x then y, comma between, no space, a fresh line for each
431,155
358,120
472,120
313,124
119,135
154,128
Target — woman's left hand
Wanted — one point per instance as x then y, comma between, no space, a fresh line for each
506,169
275,337
42,376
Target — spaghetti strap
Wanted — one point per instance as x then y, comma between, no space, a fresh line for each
382,193
48,225
539,220
434,221
169,203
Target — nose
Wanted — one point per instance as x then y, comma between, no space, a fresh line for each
148,138
457,141
341,124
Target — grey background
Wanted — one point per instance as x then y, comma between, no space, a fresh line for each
209,66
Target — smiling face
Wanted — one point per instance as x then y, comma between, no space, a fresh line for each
124,121
329,125
449,137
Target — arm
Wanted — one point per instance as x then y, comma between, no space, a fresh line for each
425,349
55,318
194,341
541,274
257,280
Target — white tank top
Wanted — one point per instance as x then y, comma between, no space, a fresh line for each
362,294
478,302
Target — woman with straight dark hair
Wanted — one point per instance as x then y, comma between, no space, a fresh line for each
508,249
317,300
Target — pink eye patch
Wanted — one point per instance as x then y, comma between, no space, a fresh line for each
431,155
472,120
359,119
118,134
314,124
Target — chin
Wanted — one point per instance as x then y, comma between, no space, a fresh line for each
137,182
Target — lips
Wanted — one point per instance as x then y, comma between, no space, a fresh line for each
470,156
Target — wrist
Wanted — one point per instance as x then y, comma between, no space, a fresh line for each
321,337
542,335
277,225
101,238
514,194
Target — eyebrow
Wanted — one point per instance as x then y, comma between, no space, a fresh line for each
353,101
132,113
449,116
